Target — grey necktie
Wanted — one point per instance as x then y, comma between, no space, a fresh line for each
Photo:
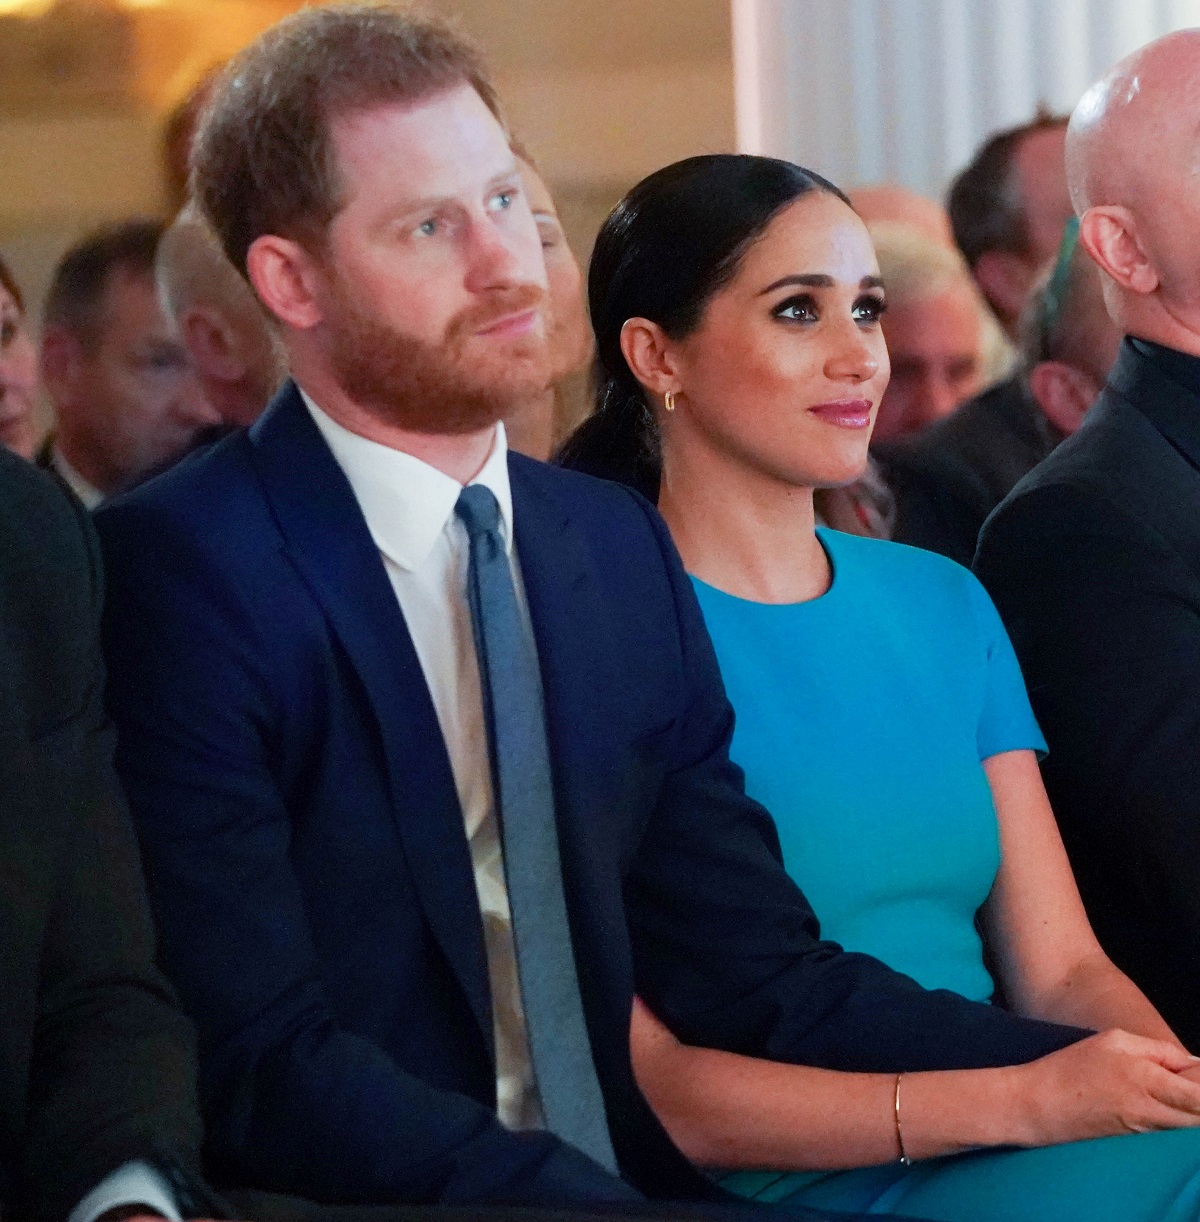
558,1041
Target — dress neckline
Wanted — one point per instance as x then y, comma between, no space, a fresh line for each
823,537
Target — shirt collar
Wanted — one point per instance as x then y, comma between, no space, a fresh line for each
1175,415
406,502
88,495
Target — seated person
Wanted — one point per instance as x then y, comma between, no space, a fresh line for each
882,719
1094,558
98,1098
425,741
18,371
216,317
947,479
941,338
890,204
533,428
126,400
1008,207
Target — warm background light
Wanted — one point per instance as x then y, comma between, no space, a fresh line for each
602,91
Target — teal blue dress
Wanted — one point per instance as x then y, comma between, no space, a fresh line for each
863,718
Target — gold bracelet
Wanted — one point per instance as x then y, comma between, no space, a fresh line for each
899,1131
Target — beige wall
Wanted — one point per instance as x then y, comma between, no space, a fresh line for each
603,91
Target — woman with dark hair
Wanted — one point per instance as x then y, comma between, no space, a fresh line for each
881,718
18,371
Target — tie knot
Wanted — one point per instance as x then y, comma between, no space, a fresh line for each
479,510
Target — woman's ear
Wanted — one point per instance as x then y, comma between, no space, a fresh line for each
650,355
1109,234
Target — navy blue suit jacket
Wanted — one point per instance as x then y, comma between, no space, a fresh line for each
309,867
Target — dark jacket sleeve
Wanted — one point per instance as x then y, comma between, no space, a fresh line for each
296,1101
1105,617
728,950
111,1067
938,505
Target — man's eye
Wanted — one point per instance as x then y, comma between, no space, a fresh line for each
797,309
503,200
428,228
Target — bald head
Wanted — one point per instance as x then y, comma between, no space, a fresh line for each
889,204
218,318
1133,168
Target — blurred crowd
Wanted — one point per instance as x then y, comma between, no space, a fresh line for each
777,790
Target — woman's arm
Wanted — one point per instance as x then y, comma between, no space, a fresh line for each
1049,962
730,1111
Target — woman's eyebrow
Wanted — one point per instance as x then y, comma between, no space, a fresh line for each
817,280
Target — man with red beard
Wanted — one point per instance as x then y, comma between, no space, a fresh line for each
425,740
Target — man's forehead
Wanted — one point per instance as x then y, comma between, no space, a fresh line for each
436,143
129,305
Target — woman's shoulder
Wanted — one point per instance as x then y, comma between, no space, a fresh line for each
897,563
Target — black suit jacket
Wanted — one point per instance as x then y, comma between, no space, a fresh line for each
1094,563
311,874
949,477
95,1059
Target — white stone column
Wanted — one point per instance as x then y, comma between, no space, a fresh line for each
903,91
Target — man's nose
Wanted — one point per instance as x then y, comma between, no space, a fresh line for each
499,257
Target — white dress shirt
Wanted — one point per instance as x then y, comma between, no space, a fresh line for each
409,509
90,496
135,1183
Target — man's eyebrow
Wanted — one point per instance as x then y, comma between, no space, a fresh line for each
430,203
817,280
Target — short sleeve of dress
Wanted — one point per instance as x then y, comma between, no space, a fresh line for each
1006,721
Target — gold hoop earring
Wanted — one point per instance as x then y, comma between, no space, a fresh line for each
669,400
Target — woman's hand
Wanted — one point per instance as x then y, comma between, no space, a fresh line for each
1108,1084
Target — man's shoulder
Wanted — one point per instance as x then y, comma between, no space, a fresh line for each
43,531
1106,462
213,493
1109,488
598,506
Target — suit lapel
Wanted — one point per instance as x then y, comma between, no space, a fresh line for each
328,542
573,653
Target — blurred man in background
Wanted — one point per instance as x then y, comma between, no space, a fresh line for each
937,331
947,480
1008,209
218,320
889,204
126,401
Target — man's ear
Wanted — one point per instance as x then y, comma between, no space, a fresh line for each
1004,278
60,357
1109,233
287,279
212,344
1063,392
647,352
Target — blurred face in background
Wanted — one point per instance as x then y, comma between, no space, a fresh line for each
936,349
532,427
1039,166
570,332
18,378
127,400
